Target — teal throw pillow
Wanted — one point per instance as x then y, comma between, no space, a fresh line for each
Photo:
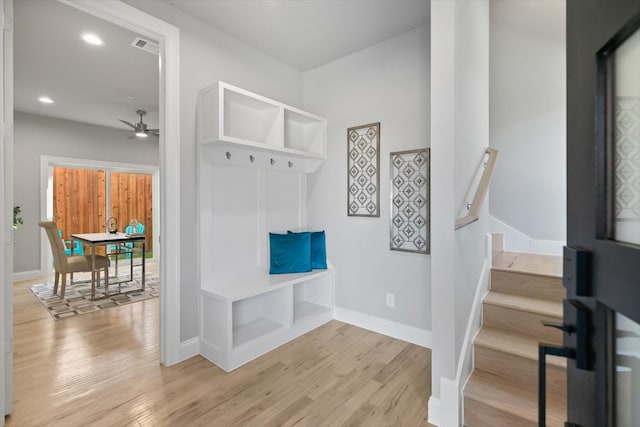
318,249
290,253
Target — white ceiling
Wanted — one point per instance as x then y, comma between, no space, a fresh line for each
88,84
308,33
93,84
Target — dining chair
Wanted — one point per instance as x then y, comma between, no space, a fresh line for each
71,246
134,227
126,249
64,264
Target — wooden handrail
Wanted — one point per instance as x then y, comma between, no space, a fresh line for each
481,191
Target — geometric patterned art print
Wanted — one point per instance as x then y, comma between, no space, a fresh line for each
627,158
409,225
363,170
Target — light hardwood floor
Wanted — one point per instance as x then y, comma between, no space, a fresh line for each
102,369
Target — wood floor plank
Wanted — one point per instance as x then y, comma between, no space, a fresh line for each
102,369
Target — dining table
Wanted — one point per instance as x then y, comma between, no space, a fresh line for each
123,243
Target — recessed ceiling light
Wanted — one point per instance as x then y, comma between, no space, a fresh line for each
45,100
92,39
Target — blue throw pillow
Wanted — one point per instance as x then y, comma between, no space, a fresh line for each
318,249
290,253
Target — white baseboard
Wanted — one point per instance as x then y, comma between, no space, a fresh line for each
445,411
516,241
26,275
450,398
386,327
189,348
474,323
433,411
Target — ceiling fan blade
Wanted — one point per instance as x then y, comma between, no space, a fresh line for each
127,123
155,132
132,137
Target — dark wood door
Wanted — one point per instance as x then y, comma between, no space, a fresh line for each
602,258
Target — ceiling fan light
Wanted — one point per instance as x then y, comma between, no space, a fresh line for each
141,134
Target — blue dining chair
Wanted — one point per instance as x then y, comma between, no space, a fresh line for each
134,227
71,244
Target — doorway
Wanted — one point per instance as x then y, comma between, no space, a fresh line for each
167,35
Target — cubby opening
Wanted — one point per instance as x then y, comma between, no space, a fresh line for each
304,133
312,298
259,316
251,119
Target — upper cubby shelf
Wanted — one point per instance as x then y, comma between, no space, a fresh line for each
239,124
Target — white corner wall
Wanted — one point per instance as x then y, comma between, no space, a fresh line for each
459,136
528,120
35,136
386,83
206,56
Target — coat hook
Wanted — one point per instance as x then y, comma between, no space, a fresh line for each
290,164
252,159
228,155
273,162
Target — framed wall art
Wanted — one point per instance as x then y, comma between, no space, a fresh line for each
363,170
409,220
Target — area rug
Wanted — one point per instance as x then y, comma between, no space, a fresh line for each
77,298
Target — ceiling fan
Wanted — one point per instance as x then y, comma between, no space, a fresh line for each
140,128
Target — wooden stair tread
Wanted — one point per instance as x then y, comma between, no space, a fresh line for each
519,345
537,264
497,393
532,305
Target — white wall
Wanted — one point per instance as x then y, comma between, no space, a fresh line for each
36,136
459,136
386,83
528,116
206,56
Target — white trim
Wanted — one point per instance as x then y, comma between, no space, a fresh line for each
386,327
445,411
516,241
6,212
465,363
433,411
448,409
474,323
26,275
450,398
168,37
190,348
98,164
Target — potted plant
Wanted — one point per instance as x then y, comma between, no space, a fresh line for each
17,219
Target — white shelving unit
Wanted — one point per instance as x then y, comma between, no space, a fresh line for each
238,123
245,318
254,156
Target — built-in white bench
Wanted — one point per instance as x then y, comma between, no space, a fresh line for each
254,154
248,315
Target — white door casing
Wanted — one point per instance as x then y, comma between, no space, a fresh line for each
168,37
6,208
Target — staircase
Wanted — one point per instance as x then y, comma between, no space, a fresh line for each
503,389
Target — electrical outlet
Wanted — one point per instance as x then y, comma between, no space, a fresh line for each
391,300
